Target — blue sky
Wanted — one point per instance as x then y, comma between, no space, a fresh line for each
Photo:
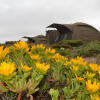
20,18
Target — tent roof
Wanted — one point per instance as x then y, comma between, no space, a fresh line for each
61,26
38,36
69,26
84,24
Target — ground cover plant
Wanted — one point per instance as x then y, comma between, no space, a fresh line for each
89,49
38,72
74,48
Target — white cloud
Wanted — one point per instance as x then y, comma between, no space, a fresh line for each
27,17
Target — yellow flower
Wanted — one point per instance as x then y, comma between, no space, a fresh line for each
3,52
75,68
92,87
58,57
79,61
26,68
49,50
95,97
90,75
35,57
42,66
7,69
67,63
73,99
21,45
38,46
93,67
33,47
79,78
98,70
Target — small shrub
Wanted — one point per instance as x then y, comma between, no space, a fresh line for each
73,43
89,49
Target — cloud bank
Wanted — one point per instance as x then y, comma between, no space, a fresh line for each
20,18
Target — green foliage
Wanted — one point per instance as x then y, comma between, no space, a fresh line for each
26,76
3,88
68,44
67,47
89,49
72,90
86,49
66,76
65,52
73,43
54,94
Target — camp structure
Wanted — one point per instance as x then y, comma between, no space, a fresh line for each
76,31
52,36
36,40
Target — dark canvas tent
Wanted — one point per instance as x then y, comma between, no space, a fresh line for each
52,36
76,31
37,39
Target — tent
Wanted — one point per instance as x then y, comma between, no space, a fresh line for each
37,39
76,31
